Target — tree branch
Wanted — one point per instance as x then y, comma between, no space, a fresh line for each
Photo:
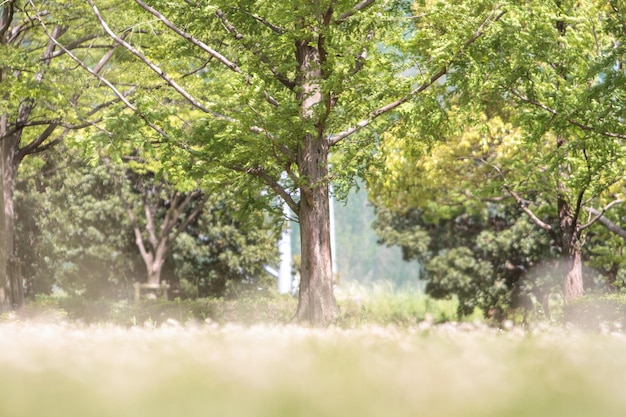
147,257
7,16
152,237
194,214
284,80
522,205
146,61
178,202
73,45
493,17
98,76
599,214
567,119
188,37
357,8
264,22
610,226
273,184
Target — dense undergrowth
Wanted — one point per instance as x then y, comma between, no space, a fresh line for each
403,308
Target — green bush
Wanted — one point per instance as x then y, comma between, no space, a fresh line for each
267,307
592,310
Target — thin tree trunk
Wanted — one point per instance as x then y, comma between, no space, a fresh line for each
10,163
155,267
5,282
573,281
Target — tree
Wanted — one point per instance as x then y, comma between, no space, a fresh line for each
39,104
551,72
74,232
275,87
158,215
494,259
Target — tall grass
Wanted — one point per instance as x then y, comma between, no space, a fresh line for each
382,303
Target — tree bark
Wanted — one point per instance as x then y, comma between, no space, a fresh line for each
5,283
154,264
316,301
9,147
571,242
573,282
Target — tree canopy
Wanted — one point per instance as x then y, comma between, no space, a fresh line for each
535,117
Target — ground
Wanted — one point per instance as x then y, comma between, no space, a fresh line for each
204,369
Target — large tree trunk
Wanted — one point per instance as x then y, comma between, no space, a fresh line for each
316,302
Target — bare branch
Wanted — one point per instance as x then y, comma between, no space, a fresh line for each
146,61
259,19
95,74
284,80
188,37
357,8
610,226
599,214
493,17
273,184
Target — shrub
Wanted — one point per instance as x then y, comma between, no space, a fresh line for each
248,309
592,310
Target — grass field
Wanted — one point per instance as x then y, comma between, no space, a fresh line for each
62,369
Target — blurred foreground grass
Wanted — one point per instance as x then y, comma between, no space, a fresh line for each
63,369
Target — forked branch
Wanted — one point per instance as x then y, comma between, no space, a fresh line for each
610,226
598,215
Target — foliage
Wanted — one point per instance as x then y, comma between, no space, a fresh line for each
247,308
384,306
596,310
258,93
485,259
533,122
226,251
85,245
